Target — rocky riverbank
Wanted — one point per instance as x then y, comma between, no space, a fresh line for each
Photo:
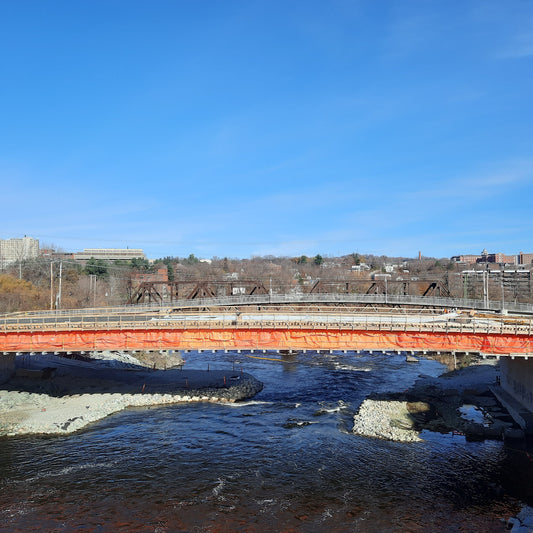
522,522
57,396
459,401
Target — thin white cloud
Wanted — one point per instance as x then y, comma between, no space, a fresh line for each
520,47
482,184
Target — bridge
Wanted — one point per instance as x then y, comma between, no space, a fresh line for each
318,322
158,291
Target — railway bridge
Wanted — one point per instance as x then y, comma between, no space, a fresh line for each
318,322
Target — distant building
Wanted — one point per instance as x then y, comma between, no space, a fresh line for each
50,253
13,250
46,252
389,268
503,259
486,257
360,267
110,254
525,259
160,275
468,259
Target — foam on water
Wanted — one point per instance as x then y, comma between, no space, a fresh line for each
247,403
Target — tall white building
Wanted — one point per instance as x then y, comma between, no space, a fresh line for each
12,250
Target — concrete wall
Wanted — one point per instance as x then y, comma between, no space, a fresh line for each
7,367
516,376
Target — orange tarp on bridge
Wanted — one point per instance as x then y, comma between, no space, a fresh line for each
241,338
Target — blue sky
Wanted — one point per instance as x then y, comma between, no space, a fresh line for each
241,128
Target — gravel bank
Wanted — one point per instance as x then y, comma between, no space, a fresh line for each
385,420
78,393
458,401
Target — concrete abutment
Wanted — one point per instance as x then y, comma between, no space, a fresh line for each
516,380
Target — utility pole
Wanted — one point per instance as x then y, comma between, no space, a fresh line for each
486,281
486,287
51,286
58,300
92,287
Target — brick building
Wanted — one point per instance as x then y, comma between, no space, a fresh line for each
161,274
525,259
497,258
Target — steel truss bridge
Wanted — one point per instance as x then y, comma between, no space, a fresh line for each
169,291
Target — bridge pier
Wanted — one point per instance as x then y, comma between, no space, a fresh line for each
516,391
7,366
516,377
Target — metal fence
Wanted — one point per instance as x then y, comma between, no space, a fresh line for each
280,299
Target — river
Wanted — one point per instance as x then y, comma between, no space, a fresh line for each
284,461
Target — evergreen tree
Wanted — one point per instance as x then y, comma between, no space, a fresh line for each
170,270
97,267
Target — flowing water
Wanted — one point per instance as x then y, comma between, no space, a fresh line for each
284,461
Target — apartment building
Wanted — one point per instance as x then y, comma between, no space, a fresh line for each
13,250
525,259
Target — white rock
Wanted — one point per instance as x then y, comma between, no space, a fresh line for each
385,419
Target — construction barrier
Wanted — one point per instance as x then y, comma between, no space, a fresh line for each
258,338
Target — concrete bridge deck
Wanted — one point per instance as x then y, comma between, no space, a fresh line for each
109,330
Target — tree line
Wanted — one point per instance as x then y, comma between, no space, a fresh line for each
40,284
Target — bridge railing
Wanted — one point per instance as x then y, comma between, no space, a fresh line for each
284,299
380,299
268,320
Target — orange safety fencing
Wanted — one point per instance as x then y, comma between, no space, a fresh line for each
256,338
